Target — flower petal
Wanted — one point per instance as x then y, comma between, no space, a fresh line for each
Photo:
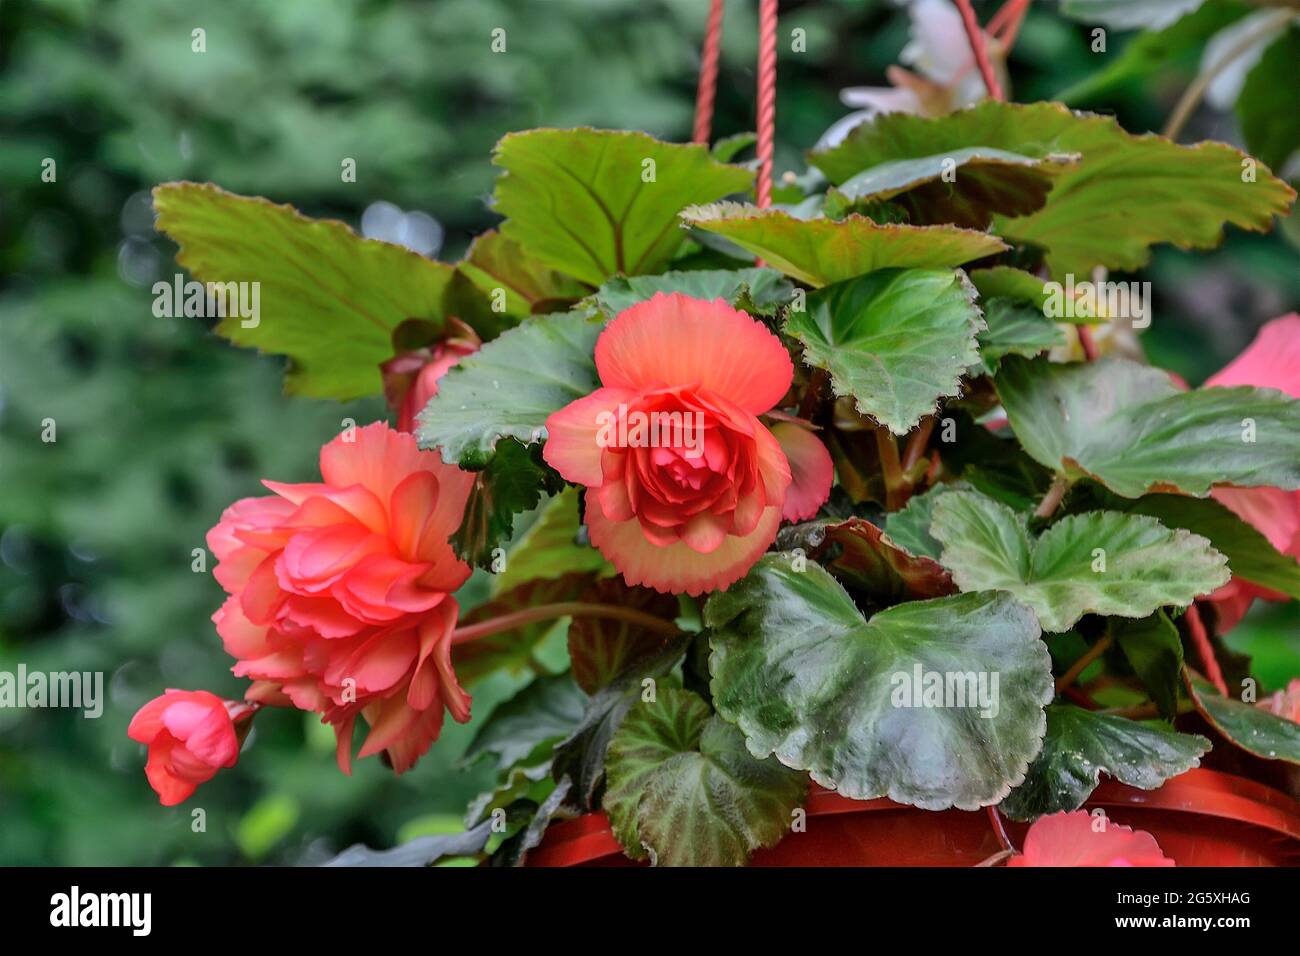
573,445
811,471
674,340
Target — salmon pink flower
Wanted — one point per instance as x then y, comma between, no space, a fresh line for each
411,379
1271,361
685,486
1069,839
1284,703
340,592
191,734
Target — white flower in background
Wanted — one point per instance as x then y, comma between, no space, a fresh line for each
415,230
1224,89
945,78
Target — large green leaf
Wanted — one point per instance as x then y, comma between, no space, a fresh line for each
327,298
981,181
578,199
800,671
1250,555
1101,562
897,340
1081,745
683,787
1269,103
910,527
823,251
495,262
1131,428
1251,728
550,548
1016,328
510,386
1127,193
765,289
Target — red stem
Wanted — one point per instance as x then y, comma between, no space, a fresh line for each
1201,640
544,612
766,107
995,818
1089,346
975,37
707,91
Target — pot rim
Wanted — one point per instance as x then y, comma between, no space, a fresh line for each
1198,791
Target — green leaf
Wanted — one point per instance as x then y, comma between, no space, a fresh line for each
1005,282
800,671
1081,745
267,822
1250,555
683,787
1155,652
1127,193
548,708
327,298
1270,102
1253,729
897,340
514,849
765,288
1101,562
581,755
495,262
866,561
513,481
527,781
1129,14
601,649
578,200
550,547
910,527
983,182
729,147
1016,328
824,251
510,386
421,851
1129,427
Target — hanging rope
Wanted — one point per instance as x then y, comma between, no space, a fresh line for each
708,88
975,36
766,100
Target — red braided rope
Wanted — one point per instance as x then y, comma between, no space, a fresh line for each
975,36
766,100
708,87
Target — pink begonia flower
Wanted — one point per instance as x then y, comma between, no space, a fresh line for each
340,592
1284,703
687,509
411,379
1069,839
1271,361
191,735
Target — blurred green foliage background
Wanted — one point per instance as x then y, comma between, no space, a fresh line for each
160,424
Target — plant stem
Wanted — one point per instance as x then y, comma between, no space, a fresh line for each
543,612
1052,500
1191,97
917,443
1078,667
995,818
1089,346
890,467
1201,640
975,37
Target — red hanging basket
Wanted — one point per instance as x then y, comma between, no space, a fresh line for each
1200,818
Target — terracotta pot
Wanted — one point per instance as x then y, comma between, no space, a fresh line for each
1201,818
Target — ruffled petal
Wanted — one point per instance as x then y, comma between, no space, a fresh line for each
674,340
811,471
574,435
